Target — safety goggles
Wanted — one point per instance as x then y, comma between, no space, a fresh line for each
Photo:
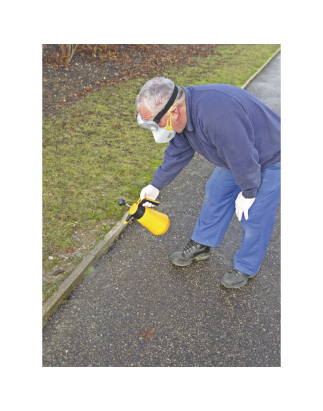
149,125
152,125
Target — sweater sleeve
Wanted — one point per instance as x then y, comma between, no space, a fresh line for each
177,155
231,132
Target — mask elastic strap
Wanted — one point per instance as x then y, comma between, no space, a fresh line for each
169,127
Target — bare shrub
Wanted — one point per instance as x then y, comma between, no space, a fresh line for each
67,52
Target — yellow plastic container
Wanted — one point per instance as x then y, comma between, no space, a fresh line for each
155,221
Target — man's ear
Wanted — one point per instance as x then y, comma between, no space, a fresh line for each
175,113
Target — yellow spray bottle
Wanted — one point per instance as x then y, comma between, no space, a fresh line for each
155,221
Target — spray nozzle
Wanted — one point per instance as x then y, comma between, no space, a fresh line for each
122,202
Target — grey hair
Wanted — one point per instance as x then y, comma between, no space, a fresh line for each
156,93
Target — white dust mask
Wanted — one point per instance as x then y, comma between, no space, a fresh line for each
162,135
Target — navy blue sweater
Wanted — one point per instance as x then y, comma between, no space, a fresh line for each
231,128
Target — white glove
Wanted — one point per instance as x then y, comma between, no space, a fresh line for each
243,205
149,192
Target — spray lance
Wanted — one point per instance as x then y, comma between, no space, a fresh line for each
155,221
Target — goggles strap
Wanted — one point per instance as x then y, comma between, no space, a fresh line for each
167,107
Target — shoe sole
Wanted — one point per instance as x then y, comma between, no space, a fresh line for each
197,258
236,285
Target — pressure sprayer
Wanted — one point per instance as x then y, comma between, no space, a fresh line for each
155,221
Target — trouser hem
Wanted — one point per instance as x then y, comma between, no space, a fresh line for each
244,270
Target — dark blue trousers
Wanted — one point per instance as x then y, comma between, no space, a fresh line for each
219,206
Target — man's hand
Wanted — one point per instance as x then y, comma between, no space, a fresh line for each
243,205
149,192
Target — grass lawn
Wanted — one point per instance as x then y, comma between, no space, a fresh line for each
95,153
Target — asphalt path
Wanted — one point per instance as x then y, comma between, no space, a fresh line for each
137,309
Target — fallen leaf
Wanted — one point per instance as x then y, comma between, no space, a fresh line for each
147,334
69,250
59,271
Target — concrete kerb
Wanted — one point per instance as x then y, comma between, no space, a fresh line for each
261,68
52,304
